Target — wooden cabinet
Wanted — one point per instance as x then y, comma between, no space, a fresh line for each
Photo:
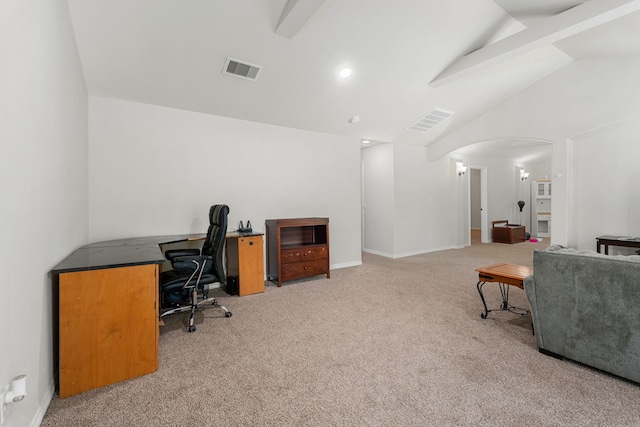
297,248
245,262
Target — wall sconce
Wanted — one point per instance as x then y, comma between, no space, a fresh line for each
460,168
523,175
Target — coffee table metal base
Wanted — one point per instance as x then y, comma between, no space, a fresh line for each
505,306
505,275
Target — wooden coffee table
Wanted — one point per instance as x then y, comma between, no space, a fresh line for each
505,275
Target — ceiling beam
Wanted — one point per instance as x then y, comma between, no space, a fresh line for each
296,13
553,29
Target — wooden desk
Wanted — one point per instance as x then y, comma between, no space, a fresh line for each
106,308
245,262
606,241
505,275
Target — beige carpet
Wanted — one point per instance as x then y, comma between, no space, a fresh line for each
389,343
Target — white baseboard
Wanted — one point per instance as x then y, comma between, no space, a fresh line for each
44,405
408,254
346,265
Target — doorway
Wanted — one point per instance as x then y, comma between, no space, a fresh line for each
478,222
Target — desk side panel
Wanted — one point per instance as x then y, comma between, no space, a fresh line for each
108,326
251,265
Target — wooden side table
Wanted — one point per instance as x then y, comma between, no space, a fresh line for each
505,275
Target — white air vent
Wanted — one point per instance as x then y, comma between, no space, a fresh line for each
244,70
430,120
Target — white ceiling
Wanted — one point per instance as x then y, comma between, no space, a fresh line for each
407,56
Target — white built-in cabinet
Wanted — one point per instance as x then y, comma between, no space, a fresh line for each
541,207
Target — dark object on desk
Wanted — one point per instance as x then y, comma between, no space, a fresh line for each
243,229
503,232
194,270
606,241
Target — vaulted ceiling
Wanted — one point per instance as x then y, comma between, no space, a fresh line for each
407,56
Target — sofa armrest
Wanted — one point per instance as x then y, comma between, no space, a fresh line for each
530,291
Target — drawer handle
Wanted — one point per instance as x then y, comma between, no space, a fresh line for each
250,243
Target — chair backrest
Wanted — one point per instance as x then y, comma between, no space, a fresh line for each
214,242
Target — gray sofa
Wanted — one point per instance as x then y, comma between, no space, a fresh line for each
585,306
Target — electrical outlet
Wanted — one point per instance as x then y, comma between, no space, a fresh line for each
3,404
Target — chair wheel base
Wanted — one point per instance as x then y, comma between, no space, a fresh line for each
227,314
192,328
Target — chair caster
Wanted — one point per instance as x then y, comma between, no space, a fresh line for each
227,314
192,328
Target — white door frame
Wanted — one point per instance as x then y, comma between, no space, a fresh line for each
484,212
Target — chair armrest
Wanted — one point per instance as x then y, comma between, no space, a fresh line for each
175,253
192,262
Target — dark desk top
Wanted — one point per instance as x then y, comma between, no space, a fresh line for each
119,253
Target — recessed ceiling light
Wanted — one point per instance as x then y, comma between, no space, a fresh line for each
345,72
366,141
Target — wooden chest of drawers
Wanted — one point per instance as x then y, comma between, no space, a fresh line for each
297,248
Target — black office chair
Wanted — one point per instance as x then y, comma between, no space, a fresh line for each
195,269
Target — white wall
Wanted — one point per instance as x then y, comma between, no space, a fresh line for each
423,202
501,186
408,201
378,199
155,171
607,193
43,182
504,189
414,205
584,96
